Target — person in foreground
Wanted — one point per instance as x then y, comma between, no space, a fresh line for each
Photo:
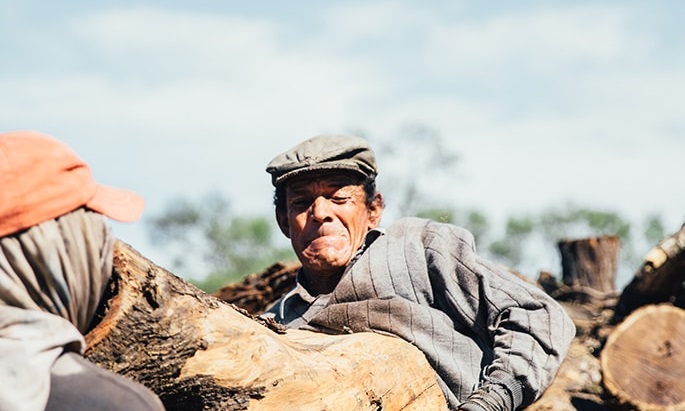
494,341
55,261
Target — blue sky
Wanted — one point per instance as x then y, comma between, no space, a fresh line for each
545,102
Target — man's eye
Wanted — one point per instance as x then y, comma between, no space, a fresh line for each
340,199
299,203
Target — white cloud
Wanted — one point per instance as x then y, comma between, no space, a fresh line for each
566,38
174,41
364,22
545,105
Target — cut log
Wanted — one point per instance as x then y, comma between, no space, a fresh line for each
200,353
590,263
661,278
643,361
256,292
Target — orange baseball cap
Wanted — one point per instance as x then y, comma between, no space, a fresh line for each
41,178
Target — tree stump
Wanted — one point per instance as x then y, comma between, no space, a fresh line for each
643,361
200,353
590,262
661,277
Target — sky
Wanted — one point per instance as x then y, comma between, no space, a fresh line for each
545,102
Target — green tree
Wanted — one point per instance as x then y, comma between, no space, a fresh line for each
530,239
417,165
654,230
511,247
207,241
473,220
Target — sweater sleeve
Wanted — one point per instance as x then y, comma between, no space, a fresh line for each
526,331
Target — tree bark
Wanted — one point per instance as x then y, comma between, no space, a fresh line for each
643,361
661,278
256,292
590,262
200,353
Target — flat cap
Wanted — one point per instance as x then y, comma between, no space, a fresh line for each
325,152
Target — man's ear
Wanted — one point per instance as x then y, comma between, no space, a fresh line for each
282,219
376,211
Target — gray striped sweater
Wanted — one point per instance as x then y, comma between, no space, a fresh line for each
494,341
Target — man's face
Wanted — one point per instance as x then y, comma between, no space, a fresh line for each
326,219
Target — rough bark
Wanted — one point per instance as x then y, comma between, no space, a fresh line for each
256,292
200,353
661,278
590,262
643,361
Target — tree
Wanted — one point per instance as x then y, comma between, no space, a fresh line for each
511,246
418,154
207,241
527,237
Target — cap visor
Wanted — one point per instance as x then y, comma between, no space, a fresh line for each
117,204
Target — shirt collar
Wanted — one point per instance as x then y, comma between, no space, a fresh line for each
302,292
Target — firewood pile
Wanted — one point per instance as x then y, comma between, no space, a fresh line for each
202,352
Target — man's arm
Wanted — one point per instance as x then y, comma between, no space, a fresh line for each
527,330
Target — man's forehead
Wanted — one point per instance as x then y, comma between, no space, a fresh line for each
325,179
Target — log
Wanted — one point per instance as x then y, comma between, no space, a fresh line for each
590,262
258,291
661,277
643,361
200,353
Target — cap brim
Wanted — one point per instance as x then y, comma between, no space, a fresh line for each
117,204
318,168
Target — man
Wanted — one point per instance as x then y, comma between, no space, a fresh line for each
494,341
55,262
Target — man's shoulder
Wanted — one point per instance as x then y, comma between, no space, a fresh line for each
425,229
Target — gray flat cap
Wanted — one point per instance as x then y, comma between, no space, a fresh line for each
325,152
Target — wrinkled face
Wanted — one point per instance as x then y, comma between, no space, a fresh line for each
326,219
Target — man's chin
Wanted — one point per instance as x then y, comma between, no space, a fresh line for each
329,253
324,264
327,246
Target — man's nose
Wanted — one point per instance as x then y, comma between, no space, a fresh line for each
321,210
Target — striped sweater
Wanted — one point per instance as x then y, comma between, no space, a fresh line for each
495,341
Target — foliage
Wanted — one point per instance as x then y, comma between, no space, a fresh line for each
654,229
207,241
511,246
529,239
417,154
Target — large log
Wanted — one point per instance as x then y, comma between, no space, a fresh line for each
200,353
661,278
643,361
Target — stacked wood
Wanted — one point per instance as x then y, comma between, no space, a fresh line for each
637,365
661,278
200,353
643,361
256,292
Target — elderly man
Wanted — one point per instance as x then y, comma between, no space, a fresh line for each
55,262
494,341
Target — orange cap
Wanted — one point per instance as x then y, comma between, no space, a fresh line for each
41,178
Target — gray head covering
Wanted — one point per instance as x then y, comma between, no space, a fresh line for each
324,153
